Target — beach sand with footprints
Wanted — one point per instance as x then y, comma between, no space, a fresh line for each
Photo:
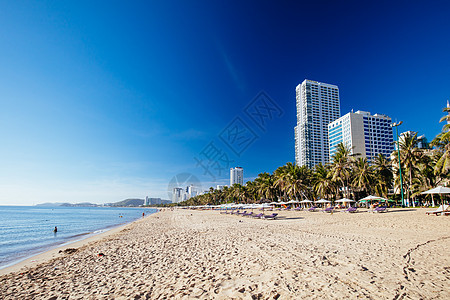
184,254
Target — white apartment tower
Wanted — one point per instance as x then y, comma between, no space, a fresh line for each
317,106
177,195
365,135
236,176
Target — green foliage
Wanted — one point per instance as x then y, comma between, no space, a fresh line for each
346,175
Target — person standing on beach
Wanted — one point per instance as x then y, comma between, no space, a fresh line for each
55,230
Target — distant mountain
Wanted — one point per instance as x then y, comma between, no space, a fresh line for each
82,204
128,202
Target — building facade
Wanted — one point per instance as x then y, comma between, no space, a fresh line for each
177,195
236,176
317,106
365,135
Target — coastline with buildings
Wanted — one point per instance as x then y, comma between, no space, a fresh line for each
199,252
225,150
348,156
185,253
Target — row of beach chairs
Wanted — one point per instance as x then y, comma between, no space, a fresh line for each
251,214
379,209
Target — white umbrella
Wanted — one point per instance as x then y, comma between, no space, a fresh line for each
437,190
323,201
344,200
306,201
293,201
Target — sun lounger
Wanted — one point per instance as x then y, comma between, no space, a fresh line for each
312,208
328,209
351,210
298,209
443,209
242,213
379,209
258,215
270,217
248,214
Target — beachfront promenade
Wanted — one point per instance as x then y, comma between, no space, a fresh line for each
176,254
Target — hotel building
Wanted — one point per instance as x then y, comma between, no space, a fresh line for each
236,176
365,135
317,106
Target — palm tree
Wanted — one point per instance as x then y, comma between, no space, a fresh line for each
265,186
410,157
282,178
238,192
322,181
341,168
363,175
442,144
299,181
383,175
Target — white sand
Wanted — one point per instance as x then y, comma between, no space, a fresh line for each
402,254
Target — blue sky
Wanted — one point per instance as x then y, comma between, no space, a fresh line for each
105,100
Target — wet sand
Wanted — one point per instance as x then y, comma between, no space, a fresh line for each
185,254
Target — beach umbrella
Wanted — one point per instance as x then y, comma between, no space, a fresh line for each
371,198
344,200
293,201
323,201
437,190
306,201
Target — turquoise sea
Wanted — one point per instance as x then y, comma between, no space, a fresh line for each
29,230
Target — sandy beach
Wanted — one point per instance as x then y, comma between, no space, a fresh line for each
183,254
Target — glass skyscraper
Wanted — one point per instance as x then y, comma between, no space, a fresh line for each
317,106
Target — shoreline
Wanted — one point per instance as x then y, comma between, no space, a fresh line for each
54,252
185,254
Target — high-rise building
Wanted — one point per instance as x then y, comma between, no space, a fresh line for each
365,135
236,176
317,106
177,195
192,191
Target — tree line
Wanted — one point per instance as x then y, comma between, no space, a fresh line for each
347,175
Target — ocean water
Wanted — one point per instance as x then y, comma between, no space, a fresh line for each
28,230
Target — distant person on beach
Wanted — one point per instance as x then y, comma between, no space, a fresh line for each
55,230
143,214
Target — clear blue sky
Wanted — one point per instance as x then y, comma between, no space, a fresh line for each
105,100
